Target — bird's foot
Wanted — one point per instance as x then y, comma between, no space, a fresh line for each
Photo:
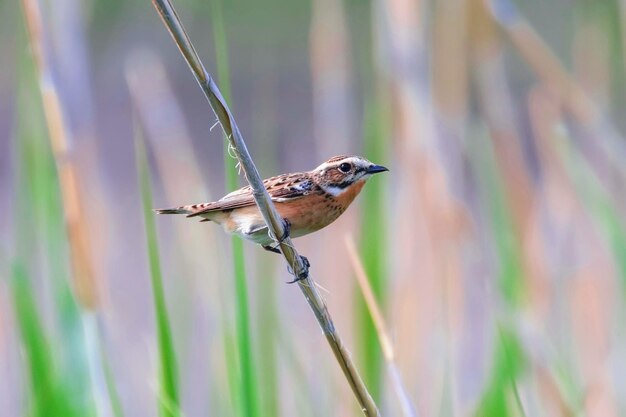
305,272
271,248
274,249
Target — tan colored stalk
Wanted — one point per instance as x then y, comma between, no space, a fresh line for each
83,276
152,96
607,152
381,328
543,61
330,58
498,111
84,283
622,23
267,208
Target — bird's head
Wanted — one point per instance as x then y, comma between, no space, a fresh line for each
340,172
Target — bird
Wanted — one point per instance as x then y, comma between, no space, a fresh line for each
307,201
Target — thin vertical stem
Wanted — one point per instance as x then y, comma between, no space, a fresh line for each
266,206
247,363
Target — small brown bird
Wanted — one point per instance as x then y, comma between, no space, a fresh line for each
307,201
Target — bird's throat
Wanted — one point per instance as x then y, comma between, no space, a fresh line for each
348,194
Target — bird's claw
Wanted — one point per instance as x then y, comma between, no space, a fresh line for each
270,248
302,275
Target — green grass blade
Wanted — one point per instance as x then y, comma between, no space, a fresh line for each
506,242
104,391
49,396
594,196
501,397
373,251
39,224
114,398
168,378
247,366
221,52
249,395
268,335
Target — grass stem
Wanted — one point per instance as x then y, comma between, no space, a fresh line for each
249,386
168,378
267,208
381,328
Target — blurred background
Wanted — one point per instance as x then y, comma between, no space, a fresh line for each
495,246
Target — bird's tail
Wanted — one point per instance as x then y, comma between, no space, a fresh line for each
175,210
190,209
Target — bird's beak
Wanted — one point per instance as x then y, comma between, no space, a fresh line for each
375,169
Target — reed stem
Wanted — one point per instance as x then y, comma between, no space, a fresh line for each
267,208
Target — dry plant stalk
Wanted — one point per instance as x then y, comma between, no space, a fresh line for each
265,204
609,152
83,275
381,328
543,61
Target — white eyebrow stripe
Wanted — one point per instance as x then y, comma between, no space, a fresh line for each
353,160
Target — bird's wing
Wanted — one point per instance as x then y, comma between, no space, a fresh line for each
281,189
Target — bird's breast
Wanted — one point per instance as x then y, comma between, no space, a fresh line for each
306,215
316,211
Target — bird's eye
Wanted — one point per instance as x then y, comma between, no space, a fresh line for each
345,167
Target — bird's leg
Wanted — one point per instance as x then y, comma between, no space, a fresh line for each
305,273
274,249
